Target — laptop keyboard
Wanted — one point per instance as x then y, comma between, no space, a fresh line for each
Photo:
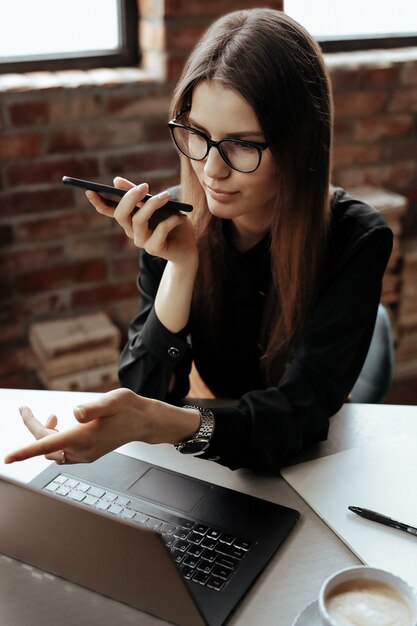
205,555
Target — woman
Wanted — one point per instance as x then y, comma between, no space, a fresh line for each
271,287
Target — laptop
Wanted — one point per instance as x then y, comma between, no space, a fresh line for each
173,546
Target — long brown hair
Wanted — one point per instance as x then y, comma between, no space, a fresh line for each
278,68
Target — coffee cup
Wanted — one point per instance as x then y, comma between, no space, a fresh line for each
367,596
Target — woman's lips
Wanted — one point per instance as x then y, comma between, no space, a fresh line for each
220,195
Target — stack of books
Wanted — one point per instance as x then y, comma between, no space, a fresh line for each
77,354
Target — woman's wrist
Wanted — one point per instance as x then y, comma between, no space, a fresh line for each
172,424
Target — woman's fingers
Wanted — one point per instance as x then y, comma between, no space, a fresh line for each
45,446
52,422
37,429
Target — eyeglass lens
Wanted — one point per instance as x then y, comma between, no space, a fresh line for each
240,156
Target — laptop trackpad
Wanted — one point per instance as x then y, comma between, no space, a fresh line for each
169,489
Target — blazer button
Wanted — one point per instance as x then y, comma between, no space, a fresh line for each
173,352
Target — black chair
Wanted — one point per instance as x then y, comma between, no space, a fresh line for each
377,373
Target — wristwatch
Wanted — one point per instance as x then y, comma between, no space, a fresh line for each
201,440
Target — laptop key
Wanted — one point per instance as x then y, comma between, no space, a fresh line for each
208,543
115,509
185,523
111,497
181,533
205,567
201,529
63,490
122,501
60,479
215,583
200,577
222,572
187,572
195,538
195,550
244,544
52,486
236,553
128,513
177,555
182,545
227,538
168,529
96,492
102,505
154,523
90,500
227,561
76,495
83,487
70,482
209,555
212,533
191,561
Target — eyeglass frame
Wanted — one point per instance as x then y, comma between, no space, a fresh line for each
260,146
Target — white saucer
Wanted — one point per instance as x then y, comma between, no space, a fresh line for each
309,616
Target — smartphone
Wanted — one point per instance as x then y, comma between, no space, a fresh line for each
159,215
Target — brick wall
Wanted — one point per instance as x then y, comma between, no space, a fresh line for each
58,257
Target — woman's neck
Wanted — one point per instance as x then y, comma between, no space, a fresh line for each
246,236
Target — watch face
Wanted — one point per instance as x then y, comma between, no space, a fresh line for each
193,446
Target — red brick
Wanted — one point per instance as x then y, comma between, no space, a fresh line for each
345,155
380,128
64,225
141,162
16,358
404,100
7,234
24,260
30,201
400,151
184,36
6,290
146,106
214,8
101,295
76,107
409,73
358,103
62,276
51,171
18,146
354,77
104,246
44,304
82,138
29,113
126,267
396,177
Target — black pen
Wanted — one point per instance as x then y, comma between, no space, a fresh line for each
383,519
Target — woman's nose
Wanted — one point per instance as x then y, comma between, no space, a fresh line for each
215,166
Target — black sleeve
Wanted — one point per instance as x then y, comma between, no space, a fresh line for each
269,427
154,358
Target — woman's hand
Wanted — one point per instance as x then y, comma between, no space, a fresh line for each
172,239
118,417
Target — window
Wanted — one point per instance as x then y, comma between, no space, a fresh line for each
357,24
55,34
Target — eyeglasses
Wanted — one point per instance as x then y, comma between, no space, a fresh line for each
243,156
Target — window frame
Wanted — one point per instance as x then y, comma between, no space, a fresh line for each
363,42
127,55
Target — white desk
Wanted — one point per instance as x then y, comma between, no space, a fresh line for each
29,597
